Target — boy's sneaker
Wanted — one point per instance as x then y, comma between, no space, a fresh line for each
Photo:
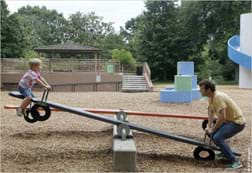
20,112
235,165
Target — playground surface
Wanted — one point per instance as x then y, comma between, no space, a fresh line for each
67,142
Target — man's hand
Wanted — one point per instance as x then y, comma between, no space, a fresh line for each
209,130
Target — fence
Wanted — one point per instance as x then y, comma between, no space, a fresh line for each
75,87
63,65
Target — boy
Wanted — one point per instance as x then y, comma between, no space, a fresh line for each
27,82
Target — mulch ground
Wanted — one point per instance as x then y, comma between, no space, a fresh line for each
67,142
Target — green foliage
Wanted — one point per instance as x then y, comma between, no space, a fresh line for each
37,26
124,56
110,42
162,35
132,35
11,35
166,33
41,26
88,29
210,67
160,45
31,54
212,23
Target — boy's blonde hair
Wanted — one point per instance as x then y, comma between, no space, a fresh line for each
34,61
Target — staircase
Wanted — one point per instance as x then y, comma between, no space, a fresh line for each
134,83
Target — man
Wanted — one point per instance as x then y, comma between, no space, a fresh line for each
230,120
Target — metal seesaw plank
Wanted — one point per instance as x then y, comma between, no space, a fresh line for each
114,111
117,122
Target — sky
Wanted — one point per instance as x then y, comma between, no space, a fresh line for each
116,11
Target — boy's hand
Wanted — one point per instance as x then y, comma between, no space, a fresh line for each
48,87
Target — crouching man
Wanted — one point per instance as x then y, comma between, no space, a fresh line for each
230,120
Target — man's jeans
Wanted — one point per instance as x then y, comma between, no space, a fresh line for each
227,130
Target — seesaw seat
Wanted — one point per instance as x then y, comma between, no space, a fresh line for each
16,94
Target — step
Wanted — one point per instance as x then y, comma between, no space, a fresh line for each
134,83
134,89
133,77
137,77
134,86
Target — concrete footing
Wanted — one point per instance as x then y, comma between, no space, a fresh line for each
124,153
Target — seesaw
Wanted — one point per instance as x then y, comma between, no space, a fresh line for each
123,129
117,112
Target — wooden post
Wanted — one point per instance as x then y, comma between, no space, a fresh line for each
50,67
95,62
72,65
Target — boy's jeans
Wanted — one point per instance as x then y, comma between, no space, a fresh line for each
227,130
26,92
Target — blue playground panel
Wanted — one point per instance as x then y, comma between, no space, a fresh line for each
237,56
172,96
196,95
185,68
185,89
194,81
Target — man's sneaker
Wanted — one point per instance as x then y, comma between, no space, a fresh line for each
20,112
235,165
219,156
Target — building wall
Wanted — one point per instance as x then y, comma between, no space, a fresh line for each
8,80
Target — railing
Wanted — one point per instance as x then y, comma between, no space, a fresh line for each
95,86
147,75
62,65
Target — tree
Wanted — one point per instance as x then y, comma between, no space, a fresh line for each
132,33
209,66
125,57
110,42
159,40
212,23
31,54
11,35
41,26
88,29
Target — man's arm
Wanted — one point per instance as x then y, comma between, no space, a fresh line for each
210,117
221,119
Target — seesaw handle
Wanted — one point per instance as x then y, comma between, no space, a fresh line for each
45,95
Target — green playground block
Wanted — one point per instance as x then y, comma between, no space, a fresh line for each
183,82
